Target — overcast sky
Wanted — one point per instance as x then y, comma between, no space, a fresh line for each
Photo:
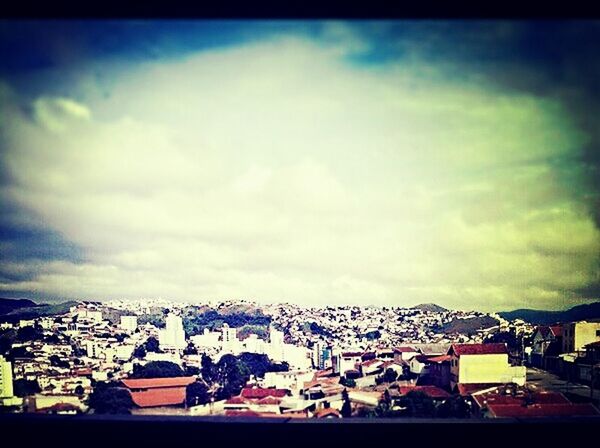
384,163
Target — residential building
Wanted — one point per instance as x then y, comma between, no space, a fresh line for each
576,335
129,323
483,364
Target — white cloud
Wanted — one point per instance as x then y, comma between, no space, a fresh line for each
279,172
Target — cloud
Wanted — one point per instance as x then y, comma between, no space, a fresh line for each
278,170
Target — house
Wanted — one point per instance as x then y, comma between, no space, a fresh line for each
418,365
576,335
405,353
436,372
152,392
482,363
348,361
547,342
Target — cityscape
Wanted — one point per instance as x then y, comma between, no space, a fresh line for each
299,221
238,359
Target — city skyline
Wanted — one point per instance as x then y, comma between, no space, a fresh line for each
369,163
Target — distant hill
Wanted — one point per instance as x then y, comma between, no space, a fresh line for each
430,307
31,310
8,305
540,317
470,325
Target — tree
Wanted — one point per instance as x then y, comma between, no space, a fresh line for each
139,352
454,407
29,333
208,369
231,374
24,388
192,371
152,345
190,350
56,361
418,404
348,382
108,398
346,410
390,375
157,369
197,393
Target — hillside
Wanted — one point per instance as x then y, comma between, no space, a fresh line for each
470,325
31,312
8,305
430,307
541,317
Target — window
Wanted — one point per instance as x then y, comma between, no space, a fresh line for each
597,333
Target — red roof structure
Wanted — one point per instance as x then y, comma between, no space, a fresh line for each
478,349
468,389
328,413
256,392
557,330
153,383
152,392
405,349
439,359
430,391
542,410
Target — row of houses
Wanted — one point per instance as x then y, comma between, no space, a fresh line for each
571,350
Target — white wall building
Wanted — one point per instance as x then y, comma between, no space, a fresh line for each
173,336
129,323
208,339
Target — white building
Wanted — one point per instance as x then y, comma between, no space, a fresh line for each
129,323
208,339
231,343
173,336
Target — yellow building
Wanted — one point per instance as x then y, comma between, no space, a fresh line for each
6,381
483,364
6,385
578,334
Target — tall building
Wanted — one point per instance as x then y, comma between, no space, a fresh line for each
229,335
173,336
6,380
129,323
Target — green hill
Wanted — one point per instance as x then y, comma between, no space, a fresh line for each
541,317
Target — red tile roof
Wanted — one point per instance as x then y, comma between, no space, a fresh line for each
494,397
542,410
468,389
158,391
431,391
236,400
404,349
269,400
557,330
371,362
152,383
479,349
329,412
167,396
440,359
262,393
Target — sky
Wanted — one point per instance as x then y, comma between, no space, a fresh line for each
383,163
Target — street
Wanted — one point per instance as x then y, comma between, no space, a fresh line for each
552,382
